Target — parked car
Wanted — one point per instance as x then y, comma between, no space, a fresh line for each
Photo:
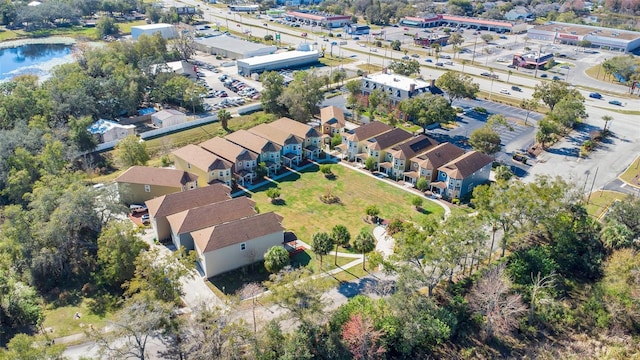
145,219
516,88
137,208
595,95
615,102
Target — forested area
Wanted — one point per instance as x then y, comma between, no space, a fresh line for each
59,238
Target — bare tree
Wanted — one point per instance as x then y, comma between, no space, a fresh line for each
140,320
251,291
539,283
363,340
491,298
184,43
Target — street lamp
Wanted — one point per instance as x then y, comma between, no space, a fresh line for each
598,74
491,88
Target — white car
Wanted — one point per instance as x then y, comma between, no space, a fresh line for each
505,91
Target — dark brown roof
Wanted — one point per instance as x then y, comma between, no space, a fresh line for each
466,165
201,158
212,214
332,115
253,142
156,176
438,156
388,139
227,150
296,128
174,203
409,149
238,231
368,130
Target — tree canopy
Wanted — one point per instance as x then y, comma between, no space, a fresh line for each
457,86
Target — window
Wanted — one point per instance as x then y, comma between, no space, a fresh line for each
243,247
147,188
240,164
221,173
188,166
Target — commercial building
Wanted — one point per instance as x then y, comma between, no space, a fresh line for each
284,60
244,8
168,117
167,31
232,47
329,21
397,87
531,59
599,37
432,20
426,40
355,29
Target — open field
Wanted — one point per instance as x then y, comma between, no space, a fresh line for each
61,319
600,200
305,214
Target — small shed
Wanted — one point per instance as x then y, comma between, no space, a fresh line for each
168,117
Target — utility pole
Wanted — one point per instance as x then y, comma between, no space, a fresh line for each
473,58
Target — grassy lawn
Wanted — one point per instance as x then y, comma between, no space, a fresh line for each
334,61
305,214
229,283
125,28
62,321
8,35
620,111
370,68
600,200
633,171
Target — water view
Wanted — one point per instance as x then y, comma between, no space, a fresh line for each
37,59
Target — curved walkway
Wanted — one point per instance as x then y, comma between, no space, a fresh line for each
384,242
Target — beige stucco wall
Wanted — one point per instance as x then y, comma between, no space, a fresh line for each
203,176
232,257
135,194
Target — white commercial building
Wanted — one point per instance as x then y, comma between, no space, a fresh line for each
232,47
168,117
397,87
599,37
167,31
284,60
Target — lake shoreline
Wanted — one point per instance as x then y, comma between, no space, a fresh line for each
62,40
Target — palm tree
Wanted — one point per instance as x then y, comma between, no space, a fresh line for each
322,244
224,116
606,119
364,243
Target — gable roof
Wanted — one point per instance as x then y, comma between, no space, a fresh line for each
279,136
227,150
438,156
253,142
166,113
174,203
332,115
465,165
409,149
156,176
388,139
298,129
238,231
213,214
201,158
368,130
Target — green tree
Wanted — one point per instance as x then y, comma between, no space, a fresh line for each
552,92
273,194
427,109
372,212
568,111
106,26
546,129
422,184
268,38
336,140
304,300
354,89
322,243
79,134
405,67
620,283
457,86
503,173
302,96
395,45
417,202
370,163
131,151
275,259
364,243
487,38
273,87
224,116
485,140
341,237
606,119
118,249
23,346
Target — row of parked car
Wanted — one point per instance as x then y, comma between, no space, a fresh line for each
240,87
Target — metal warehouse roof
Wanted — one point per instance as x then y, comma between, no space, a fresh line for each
233,44
268,59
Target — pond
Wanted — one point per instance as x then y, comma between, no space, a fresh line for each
37,59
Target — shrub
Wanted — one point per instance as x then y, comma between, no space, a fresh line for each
480,109
422,184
